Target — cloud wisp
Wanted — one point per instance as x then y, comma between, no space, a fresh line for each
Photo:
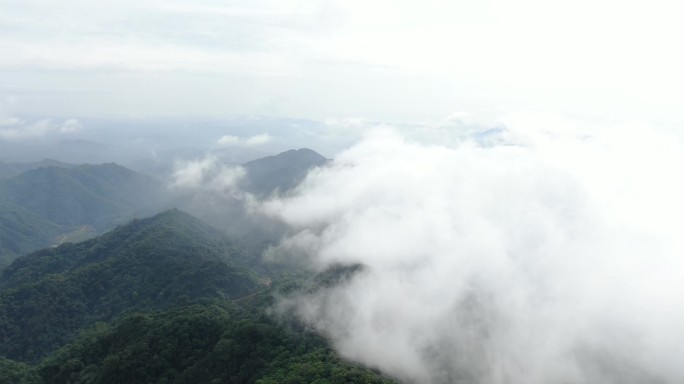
207,174
549,255
251,141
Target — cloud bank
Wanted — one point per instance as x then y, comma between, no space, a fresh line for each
542,252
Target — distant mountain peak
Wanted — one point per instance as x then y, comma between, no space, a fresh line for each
281,172
301,153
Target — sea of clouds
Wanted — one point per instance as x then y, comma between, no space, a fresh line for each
542,251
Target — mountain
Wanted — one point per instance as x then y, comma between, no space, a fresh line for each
23,231
162,164
263,177
236,154
8,170
49,295
165,299
44,206
211,343
281,172
94,195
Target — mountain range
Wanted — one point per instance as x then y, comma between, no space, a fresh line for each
11,169
49,202
45,206
165,298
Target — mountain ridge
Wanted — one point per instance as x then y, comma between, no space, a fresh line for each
281,172
150,263
40,205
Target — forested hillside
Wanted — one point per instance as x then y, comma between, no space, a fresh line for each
208,343
167,299
148,264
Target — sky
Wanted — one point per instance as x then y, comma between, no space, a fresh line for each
389,61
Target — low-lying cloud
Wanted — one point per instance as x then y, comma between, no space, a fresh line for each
15,128
543,252
208,174
248,141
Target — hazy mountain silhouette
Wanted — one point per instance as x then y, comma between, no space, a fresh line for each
281,172
8,170
44,206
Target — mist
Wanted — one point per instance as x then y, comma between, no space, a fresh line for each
547,251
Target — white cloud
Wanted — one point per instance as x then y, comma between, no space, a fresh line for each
14,128
554,256
343,128
9,121
71,126
24,131
207,174
251,141
258,139
228,140
449,131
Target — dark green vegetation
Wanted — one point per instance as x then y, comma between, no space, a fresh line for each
47,206
209,343
166,299
153,263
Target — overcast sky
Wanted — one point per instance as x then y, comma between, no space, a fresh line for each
396,61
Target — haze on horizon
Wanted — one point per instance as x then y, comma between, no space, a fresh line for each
384,61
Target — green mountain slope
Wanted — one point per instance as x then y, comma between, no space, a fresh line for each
48,296
44,206
209,343
22,231
159,300
94,195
